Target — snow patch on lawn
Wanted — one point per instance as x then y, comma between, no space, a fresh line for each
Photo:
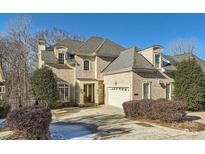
65,131
70,132
3,123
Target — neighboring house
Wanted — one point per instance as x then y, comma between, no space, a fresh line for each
100,71
2,84
170,62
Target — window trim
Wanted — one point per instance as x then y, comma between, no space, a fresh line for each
149,89
160,60
89,66
170,91
64,86
59,58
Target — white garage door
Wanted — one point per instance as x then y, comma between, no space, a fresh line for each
118,95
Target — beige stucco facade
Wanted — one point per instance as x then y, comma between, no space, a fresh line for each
76,77
118,80
90,86
149,54
135,83
157,87
80,73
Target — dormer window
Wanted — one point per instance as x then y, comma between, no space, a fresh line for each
86,65
157,60
61,58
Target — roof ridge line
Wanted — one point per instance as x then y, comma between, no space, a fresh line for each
100,46
84,43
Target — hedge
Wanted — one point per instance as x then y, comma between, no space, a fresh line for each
4,109
30,122
167,111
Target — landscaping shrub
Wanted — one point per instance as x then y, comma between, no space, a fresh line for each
168,111
30,122
4,109
44,86
189,84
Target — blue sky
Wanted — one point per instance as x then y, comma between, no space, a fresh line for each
142,30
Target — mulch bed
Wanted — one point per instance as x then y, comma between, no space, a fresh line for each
183,125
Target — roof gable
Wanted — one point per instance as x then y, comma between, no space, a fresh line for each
100,47
72,45
128,60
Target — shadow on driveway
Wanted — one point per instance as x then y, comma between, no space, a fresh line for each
108,126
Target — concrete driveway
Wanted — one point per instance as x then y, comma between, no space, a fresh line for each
111,124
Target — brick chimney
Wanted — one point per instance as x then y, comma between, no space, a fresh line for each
41,47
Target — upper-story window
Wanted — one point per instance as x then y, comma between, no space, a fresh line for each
157,60
86,65
61,58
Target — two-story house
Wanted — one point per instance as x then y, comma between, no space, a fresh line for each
101,71
78,67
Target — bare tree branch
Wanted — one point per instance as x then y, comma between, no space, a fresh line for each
181,46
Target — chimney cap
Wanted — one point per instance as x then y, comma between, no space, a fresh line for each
41,42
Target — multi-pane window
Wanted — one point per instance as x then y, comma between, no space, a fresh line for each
146,90
168,91
157,60
2,89
64,92
61,58
86,65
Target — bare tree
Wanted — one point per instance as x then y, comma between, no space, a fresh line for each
19,52
56,35
181,46
16,53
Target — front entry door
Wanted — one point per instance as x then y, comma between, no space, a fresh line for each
88,93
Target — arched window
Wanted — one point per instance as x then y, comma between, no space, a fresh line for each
86,65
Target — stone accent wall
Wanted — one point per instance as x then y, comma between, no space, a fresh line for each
100,92
101,64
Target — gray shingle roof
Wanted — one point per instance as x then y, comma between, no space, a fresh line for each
150,74
100,47
128,60
58,66
95,46
48,57
178,58
72,45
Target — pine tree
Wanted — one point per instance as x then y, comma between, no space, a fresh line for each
189,84
44,86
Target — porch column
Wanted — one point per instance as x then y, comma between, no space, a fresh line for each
92,93
96,93
81,93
